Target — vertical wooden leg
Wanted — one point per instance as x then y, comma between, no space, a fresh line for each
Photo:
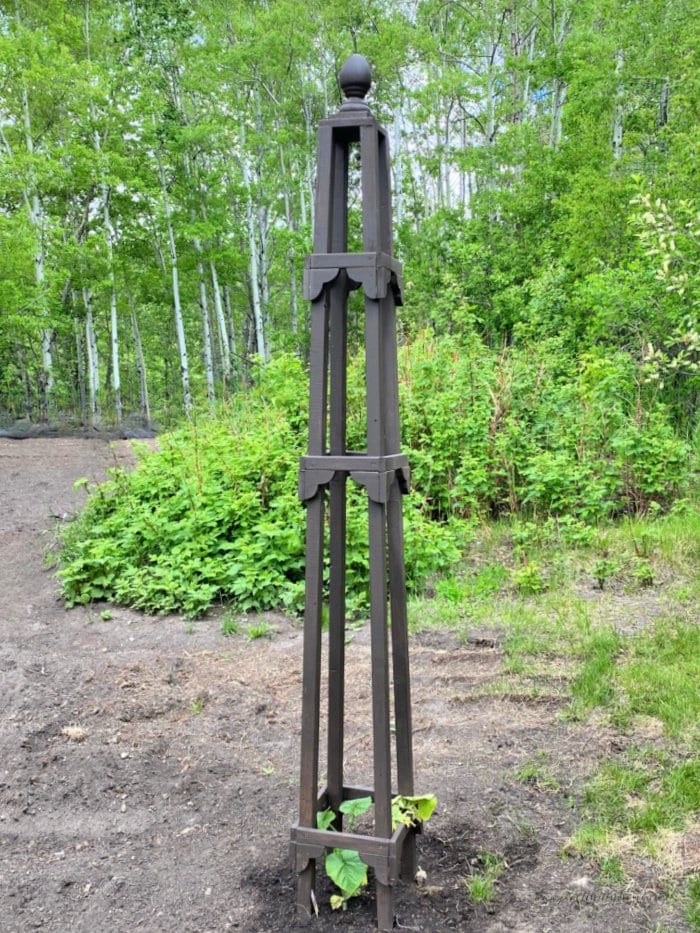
338,340
385,907
409,863
400,663
336,646
311,687
306,881
380,670
380,697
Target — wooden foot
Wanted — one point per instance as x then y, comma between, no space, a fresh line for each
305,885
385,907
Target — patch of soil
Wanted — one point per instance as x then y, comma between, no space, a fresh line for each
149,767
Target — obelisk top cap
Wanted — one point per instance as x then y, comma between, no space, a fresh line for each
355,80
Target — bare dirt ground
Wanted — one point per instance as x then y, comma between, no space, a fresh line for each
148,767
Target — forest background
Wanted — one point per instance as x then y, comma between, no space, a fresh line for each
157,165
157,179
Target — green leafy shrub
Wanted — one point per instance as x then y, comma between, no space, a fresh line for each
214,515
643,574
529,580
603,570
534,432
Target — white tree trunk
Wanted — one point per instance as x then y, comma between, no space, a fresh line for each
80,358
263,227
206,328
291,227
302,200
93,361
618,112
230,322
560,29
558,98
398,163
144,407
113,321
114,342
446,160
462,174
491,104
224,346
253,263
530,52
109,243
113,318
311,186
36,215
264,267
293,300
224,354
177,307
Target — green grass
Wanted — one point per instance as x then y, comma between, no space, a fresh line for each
693,909
260,629
594,684
481,889
485,582
661,677
481,884
535,771
230,625
638,797
677,538
548,626
654,673
425,613
607,619
612,871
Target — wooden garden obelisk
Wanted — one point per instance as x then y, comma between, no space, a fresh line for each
331,272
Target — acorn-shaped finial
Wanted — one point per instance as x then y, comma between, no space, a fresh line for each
355,79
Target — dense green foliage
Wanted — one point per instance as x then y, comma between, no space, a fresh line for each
530,430
214,514
157,175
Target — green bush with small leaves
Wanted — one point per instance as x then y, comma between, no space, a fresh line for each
214,515
534,432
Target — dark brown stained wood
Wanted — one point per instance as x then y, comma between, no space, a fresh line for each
331,273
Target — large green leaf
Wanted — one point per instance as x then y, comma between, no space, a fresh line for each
412,810
347,870
324,819
354,808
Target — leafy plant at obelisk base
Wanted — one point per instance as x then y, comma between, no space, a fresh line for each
344,867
